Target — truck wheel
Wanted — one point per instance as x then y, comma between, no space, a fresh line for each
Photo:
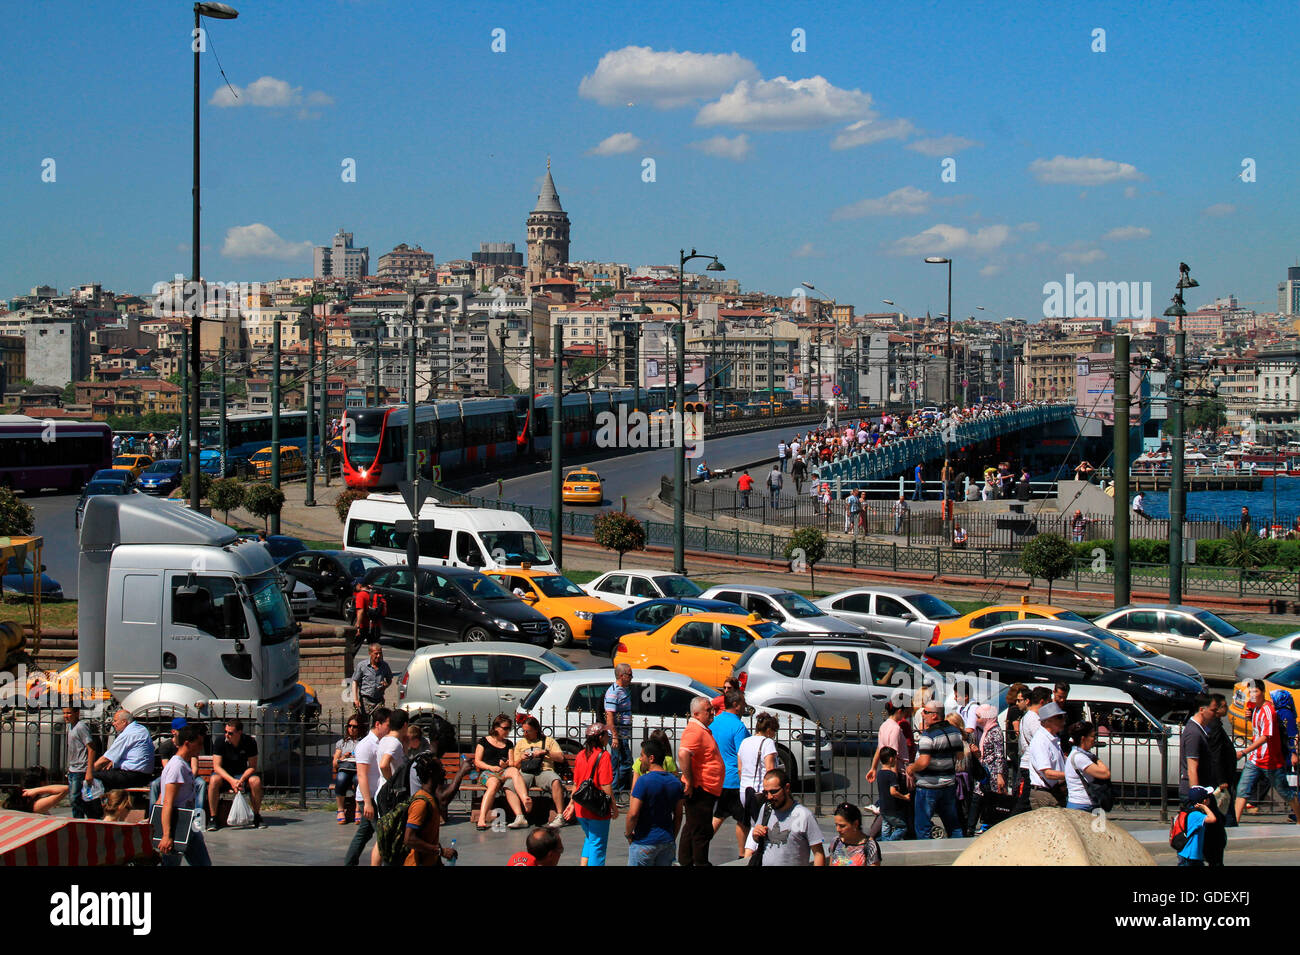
563,635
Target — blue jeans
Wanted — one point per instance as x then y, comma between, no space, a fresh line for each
651,854
918,492
620,761
596,833
344,782
1082,807
941,801
1195,862
365,829
776,497
200,796
80,808
1252,776
782,460
892,828
196,852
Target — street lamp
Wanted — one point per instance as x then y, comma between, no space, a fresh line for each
947,385
835,325
214,11
679,458
1176,392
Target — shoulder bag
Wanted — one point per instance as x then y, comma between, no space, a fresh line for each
590,796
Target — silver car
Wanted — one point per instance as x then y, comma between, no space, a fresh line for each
906,617
1204,640
1260,660
468,685
785,607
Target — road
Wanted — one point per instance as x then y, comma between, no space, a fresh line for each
55,521
636,476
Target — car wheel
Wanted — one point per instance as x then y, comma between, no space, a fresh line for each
477,634
347,607
561,632
787,762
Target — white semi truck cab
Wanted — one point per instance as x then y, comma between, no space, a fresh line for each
181,616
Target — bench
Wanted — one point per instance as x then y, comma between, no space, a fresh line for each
140,795
472,790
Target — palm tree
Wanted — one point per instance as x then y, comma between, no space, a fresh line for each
1243,549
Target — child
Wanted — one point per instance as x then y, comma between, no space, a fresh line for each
894,797
1200,812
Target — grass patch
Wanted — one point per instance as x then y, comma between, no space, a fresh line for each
62,613
1263,627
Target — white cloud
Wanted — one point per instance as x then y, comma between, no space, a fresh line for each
258,241
1127,233
1130,192
867,131
785,104
943,238
1219,209
270,93
942,145
1082,258
615,145
808,251
989,270
1082,170
907,201
736,147
663,78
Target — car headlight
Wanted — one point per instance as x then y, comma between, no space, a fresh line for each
1157,688
504,624
583,614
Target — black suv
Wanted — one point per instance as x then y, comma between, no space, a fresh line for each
1027,655
456,603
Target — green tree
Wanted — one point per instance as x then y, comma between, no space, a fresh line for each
225,495
16,516
1207,415
580,368
69,395
1047,556
1243,549
807,547
262,500
345,499
619,532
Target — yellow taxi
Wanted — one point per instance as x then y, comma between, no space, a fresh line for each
978,620
291,461
703,646
1239,709
569,608
582,486
135,463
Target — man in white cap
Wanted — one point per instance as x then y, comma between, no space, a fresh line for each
1046,761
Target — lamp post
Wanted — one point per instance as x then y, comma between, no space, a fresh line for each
410,390
947,384
309,494
1177,391
375,326
679,454
275,417
214,11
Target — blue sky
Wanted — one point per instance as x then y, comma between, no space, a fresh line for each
1114,166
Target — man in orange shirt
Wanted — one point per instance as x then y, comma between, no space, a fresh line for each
744,485
702,772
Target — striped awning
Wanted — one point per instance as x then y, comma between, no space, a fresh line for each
29,839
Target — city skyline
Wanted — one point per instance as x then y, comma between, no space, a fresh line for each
791,166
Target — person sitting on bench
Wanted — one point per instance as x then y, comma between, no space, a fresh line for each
128,762
234,766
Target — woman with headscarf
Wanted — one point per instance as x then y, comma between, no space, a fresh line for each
993,758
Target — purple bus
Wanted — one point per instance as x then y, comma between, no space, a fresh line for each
38,453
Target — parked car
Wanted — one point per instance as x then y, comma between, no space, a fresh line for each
904,616
841,682
302,599
20,578
1128,736
1024,653
558,598
468,686
704,646
95,488
607,627
291,461
986,617
132,463
236,466
456,604
785,607
119,475
627,588
333,574
1204,640
566,702
1138,651
161,477
1265,659
280,546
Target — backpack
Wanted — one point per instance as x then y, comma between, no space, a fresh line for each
390,831
377,607
1284,710
1178,831
395,790
1098,790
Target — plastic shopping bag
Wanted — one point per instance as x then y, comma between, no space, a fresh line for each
92,792
241,813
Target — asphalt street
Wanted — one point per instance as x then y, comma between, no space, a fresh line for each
636,476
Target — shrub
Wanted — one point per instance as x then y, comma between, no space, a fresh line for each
345,500
808,545
619,532
16,516
225,495
205,485
262,500
1047,556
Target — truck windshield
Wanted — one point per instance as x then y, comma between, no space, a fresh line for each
274,618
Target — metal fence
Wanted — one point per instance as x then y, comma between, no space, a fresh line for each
295,756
